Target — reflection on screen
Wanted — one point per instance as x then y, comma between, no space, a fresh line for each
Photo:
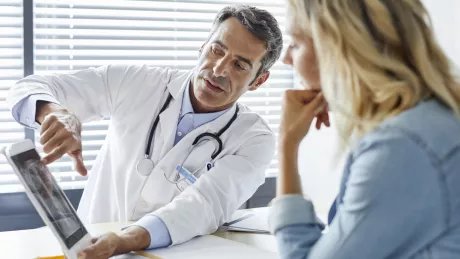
45,188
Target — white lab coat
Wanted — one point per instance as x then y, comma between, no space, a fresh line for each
131,96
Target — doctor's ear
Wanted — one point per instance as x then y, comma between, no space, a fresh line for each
262,78
201,48
200,51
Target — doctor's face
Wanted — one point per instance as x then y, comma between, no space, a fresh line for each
227,67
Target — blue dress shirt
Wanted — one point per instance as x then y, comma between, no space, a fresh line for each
25,110
188,121
398,198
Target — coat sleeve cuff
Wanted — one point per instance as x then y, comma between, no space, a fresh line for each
24,111
292,210
159,233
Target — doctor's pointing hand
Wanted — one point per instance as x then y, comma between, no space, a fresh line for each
60,134
181,154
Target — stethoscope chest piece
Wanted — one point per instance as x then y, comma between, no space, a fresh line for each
145,166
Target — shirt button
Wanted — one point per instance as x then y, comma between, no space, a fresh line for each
179,134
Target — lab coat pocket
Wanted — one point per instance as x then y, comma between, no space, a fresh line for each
184,178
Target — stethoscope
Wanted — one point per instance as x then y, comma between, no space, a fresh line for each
145,165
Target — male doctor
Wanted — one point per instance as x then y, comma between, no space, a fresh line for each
137,175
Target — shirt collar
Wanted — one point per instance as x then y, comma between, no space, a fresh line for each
186,103
198,118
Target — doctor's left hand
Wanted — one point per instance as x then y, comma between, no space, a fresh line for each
103,247
131,239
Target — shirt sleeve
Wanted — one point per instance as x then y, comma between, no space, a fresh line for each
159,233
25,110
392,208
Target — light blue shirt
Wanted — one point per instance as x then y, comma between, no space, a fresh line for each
24,112
189,120
399,195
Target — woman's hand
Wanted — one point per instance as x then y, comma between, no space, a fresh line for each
300,107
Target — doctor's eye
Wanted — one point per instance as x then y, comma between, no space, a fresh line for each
215,50
239,66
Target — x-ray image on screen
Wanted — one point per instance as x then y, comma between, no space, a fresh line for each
45,188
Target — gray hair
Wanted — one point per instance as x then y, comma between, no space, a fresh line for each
261,24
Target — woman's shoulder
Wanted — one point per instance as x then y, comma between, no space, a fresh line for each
419,151
429,125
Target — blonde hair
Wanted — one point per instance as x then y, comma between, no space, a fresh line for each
377,58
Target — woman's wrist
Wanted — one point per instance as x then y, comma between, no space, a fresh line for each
289,144
288,180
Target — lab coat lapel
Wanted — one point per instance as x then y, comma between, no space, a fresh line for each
168,119
167,127
181,149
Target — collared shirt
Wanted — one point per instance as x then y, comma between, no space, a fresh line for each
399,196
189,120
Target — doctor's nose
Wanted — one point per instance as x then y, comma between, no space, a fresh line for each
221,67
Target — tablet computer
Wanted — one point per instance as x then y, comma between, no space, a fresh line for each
48,198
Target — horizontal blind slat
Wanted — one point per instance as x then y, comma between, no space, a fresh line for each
11,69
73,35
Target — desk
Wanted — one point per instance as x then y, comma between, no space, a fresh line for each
28,244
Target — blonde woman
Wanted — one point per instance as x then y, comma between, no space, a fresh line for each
378,67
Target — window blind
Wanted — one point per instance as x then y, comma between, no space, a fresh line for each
74,35
11,69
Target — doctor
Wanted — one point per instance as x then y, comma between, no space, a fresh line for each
181,155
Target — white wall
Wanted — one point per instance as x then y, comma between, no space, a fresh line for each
318,169
445,15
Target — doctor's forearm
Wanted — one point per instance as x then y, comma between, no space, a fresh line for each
288,181
44,108
133,239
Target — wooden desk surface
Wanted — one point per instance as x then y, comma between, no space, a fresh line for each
28,244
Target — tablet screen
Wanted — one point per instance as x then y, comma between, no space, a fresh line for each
50,196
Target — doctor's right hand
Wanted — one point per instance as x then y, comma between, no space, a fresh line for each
61,134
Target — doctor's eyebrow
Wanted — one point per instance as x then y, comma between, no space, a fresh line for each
222,45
